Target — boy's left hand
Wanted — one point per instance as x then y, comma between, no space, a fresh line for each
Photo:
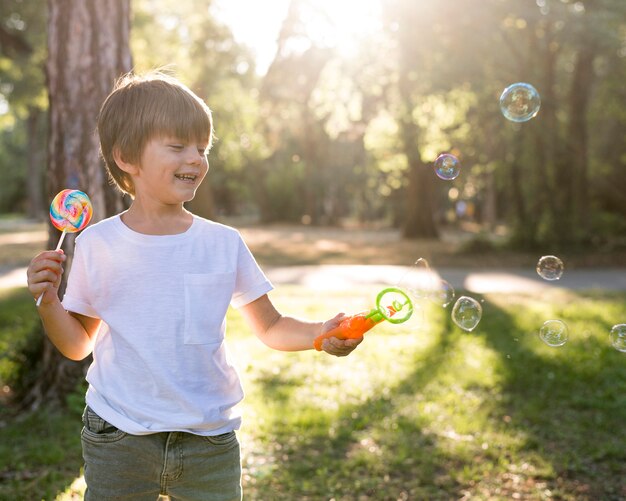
335,346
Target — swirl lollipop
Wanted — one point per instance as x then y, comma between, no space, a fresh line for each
70,211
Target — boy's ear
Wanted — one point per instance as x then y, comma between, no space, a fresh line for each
127,167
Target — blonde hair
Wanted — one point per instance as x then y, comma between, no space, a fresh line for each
142,107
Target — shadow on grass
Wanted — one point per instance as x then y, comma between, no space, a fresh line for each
560,414
407,461
568,401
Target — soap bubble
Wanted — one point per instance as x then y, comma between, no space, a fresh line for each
618,337
466,313
418,279
554,333
447,166
422,264
550,267
422,283
520,102
442,293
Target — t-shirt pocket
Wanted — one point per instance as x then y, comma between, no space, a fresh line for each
207,296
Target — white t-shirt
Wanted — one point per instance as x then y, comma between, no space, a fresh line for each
160,362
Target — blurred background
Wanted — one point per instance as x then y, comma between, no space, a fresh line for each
331,113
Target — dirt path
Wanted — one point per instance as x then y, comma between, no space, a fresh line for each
284,245
346,257
337,277
325,277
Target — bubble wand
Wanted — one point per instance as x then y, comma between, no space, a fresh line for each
353,327
70,212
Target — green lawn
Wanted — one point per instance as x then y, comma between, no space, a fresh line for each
417,412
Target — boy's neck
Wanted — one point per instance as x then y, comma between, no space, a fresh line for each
160,223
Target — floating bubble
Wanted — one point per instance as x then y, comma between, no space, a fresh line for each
418,279
550,267
423,283
618,337
442,294
554,333
422,264
447,166
466,313
520,102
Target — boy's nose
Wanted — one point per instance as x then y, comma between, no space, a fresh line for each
195,157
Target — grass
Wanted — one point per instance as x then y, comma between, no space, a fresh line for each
438,413
39,454
417,412
17,322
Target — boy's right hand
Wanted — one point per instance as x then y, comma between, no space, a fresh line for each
44,275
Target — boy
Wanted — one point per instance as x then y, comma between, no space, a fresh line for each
148,294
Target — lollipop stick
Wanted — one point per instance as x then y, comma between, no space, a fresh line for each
61,240
58,247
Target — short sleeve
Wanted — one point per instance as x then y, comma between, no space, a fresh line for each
77,292
251,283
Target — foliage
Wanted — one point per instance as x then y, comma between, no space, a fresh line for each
12,144
184,38
19,326
22,101
354,131
22,56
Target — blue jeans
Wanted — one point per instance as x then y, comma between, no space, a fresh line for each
181,465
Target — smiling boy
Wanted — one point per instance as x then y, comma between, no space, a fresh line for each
147,295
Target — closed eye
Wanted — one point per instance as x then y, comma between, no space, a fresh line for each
177,147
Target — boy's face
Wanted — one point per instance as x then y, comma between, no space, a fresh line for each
170,170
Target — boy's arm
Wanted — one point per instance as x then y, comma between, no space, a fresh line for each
291,334
72,334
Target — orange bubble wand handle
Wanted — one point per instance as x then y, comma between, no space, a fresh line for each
355,326
352,327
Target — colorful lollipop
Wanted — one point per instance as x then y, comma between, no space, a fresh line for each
70,211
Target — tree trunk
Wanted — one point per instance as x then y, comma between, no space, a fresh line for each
489,209
547,133
34,180
88,48
418,220
312,167
578,153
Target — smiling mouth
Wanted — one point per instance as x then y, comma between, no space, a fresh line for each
186,177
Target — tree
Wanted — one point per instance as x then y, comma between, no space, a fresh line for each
88,49
295,135
547,176
559,46
412,25
22,56
185,37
